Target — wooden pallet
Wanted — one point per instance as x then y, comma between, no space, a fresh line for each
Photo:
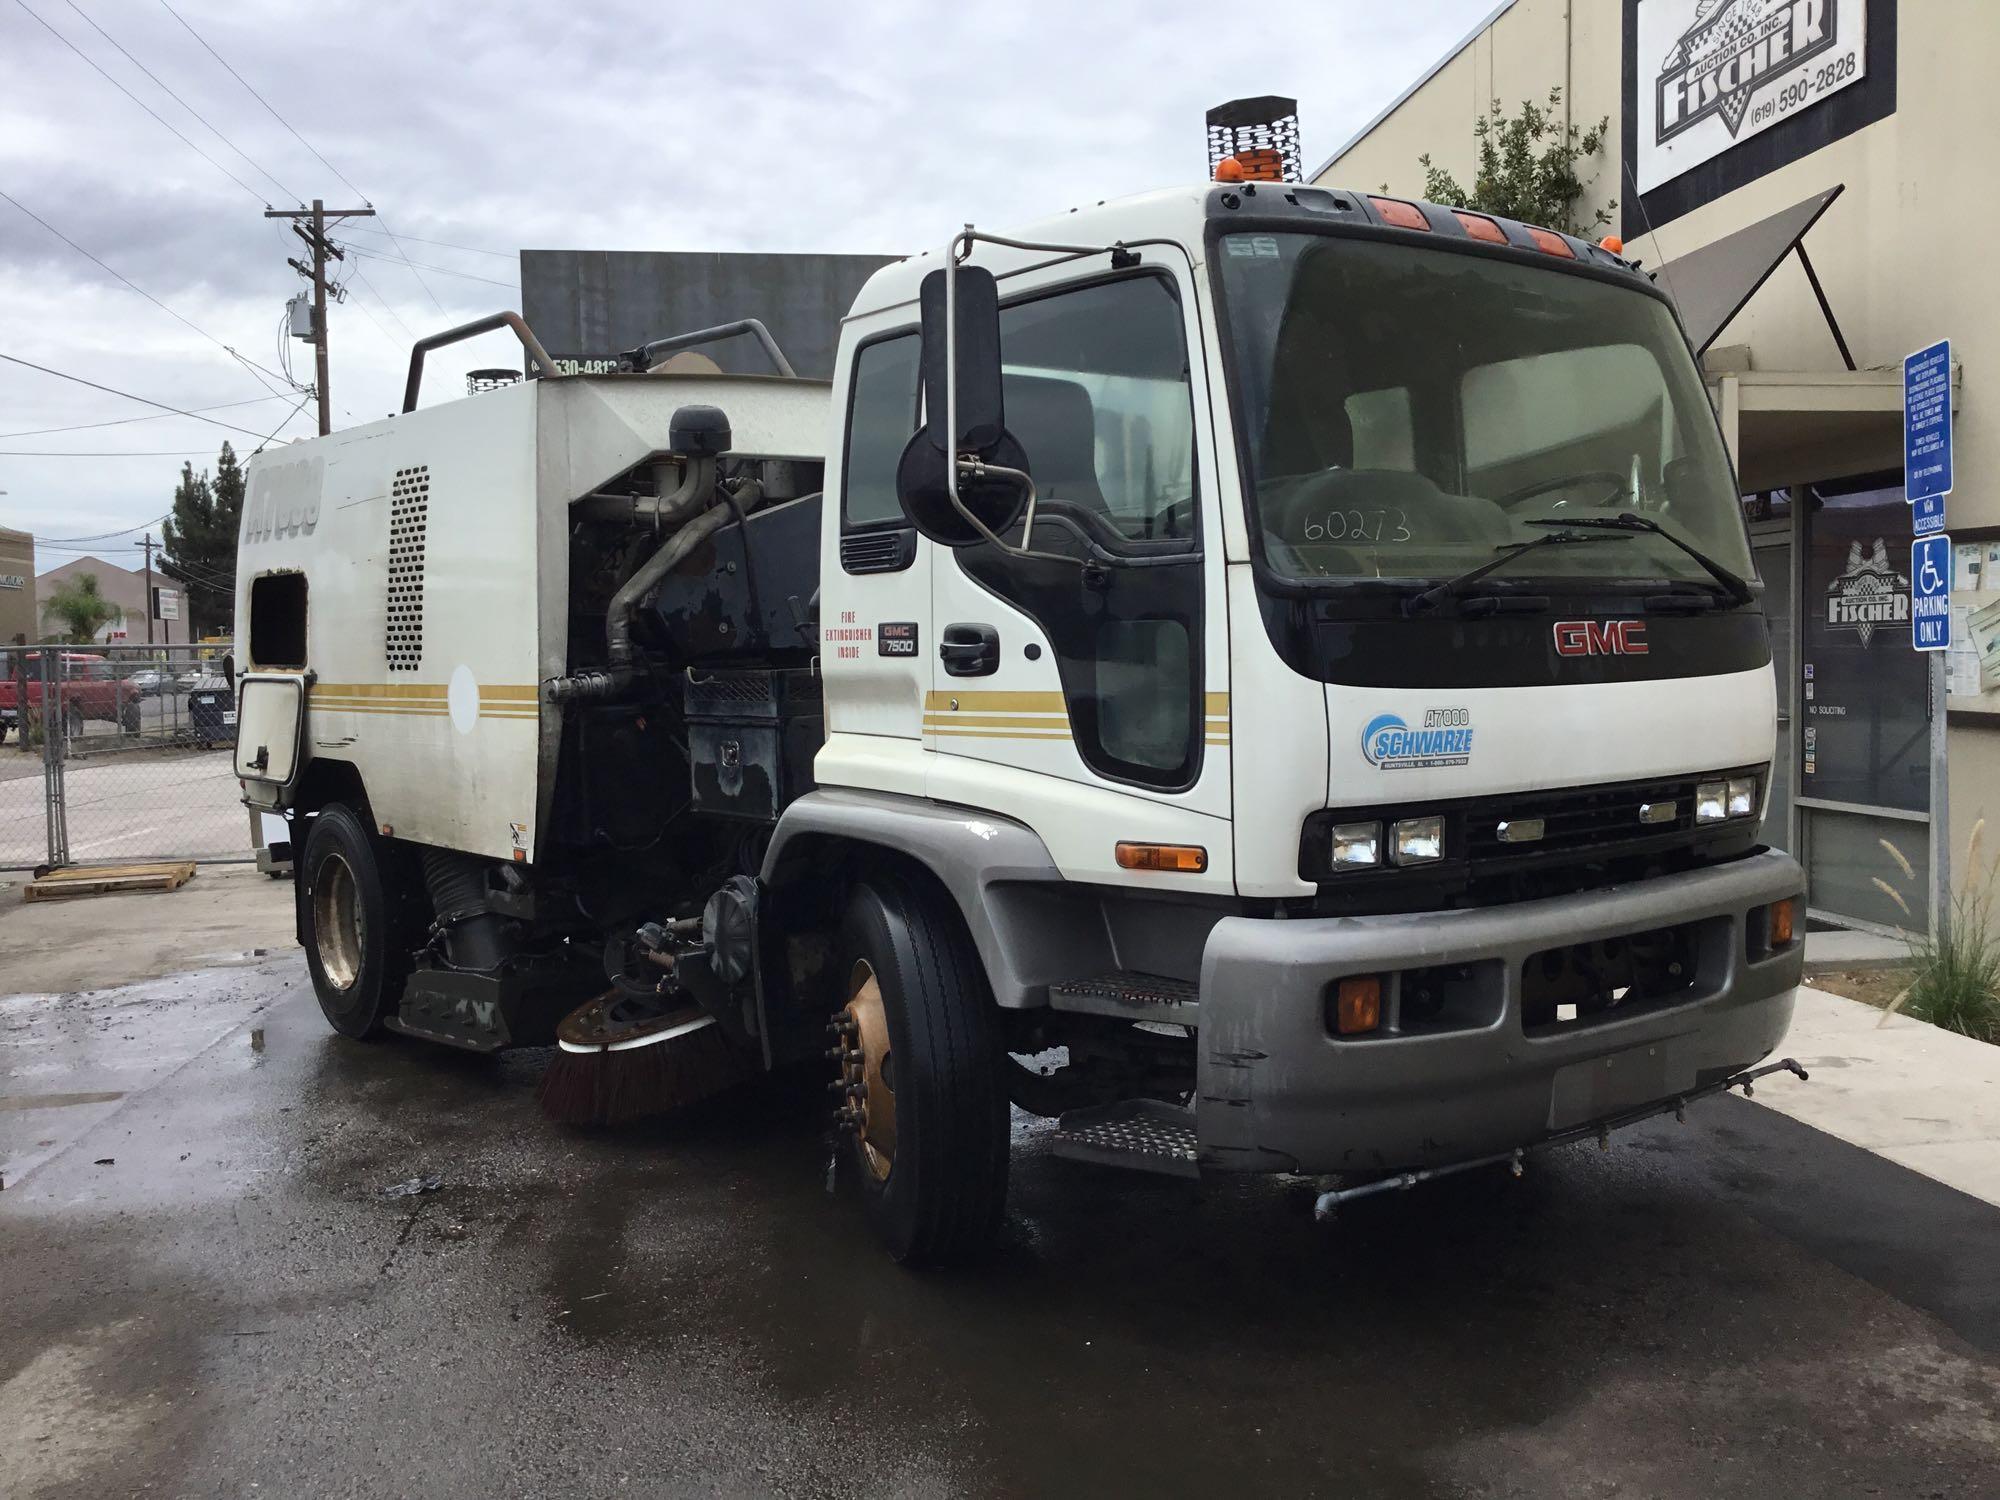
98,880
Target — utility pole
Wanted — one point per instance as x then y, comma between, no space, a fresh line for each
148,545
321,247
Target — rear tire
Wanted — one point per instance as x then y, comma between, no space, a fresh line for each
355,921
940,1199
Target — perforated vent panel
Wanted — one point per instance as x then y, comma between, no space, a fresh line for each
409,522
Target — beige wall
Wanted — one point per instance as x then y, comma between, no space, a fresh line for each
17,606
123,586
1529,48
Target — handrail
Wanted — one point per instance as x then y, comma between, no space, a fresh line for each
641,358
487,324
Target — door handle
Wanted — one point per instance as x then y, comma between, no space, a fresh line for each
970,650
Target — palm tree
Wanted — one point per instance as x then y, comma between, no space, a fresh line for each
81,609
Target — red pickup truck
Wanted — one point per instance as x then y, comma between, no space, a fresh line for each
90,689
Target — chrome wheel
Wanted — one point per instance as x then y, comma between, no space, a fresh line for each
337,921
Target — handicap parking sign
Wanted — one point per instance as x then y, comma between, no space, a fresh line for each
1930,593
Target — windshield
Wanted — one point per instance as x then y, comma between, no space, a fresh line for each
1410,413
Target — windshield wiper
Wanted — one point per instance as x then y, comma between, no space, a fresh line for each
1738,590
1439,592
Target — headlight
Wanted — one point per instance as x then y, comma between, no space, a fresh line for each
1742,796
1711,802
1416,840
1354,846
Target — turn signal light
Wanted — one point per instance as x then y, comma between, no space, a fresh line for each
1173,859
1402,215
1358,1004
1783,914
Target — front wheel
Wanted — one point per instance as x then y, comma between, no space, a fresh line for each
356,924
924,1102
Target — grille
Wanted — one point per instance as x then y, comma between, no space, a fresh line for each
1581,819
752,693
409,525
877,551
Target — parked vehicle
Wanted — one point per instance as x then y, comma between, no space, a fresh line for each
89,688
1289,697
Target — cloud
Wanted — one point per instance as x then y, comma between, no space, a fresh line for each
611,124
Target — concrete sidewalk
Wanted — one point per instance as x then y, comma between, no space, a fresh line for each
1924,1098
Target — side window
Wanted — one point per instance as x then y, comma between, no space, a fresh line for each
881,416
278,620
1097,391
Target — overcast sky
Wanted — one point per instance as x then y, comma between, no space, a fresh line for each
789,125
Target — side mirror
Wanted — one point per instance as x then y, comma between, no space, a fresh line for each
961,352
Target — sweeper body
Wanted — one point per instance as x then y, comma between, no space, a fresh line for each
1263,675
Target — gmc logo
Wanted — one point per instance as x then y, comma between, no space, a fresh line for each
1600,638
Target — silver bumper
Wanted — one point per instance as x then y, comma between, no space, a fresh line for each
1277,1092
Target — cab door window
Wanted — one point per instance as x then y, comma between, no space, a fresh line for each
1097,390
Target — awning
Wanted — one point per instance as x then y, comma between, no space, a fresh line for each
1710,285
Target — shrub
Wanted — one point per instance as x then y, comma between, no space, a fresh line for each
1957,979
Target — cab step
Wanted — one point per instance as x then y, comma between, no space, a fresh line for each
1149,1135
1131,995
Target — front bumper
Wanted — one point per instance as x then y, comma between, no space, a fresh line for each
1277,1092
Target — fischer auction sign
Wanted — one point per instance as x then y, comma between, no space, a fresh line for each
1713,73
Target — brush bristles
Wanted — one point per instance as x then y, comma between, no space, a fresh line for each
610,1088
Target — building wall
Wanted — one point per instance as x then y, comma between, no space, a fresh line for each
125,587
18,610
1522,51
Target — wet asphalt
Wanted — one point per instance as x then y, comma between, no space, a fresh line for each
231,1306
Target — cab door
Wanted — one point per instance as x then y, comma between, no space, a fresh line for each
875,601
1106,668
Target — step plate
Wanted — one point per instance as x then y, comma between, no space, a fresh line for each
1134,996
1144,1134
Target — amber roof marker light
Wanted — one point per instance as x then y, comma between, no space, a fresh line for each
1403,215
1229,169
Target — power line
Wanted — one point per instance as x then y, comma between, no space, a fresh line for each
415,239
134,286
260,197
103,536
149,417
266,103
178,99
142,400
362,277
441,270
37,453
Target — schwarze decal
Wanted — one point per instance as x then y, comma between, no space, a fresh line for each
1445,739
1723,70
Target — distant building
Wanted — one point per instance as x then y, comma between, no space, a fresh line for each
124,587
18,615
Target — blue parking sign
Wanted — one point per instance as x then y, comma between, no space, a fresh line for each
1927,422
1930,593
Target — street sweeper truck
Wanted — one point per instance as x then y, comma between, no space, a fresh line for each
1270,678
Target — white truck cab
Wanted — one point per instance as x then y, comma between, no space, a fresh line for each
1270,676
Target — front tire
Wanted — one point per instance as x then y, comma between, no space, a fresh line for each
920,1013
356,924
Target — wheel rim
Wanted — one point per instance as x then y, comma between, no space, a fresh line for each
867,1073
337,924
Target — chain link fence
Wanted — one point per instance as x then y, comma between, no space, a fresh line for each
115,754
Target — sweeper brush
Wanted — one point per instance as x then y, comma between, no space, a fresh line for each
622,1057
